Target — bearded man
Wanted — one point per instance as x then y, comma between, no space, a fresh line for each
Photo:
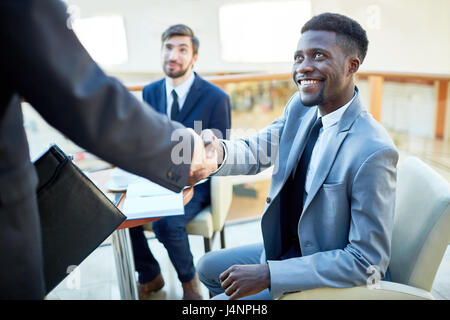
186,98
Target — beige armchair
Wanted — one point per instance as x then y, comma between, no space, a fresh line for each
211,219
420,237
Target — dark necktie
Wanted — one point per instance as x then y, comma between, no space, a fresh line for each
295,188
175,108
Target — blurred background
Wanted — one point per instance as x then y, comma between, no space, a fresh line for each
247,46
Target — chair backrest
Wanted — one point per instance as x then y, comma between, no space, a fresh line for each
422,224
221,196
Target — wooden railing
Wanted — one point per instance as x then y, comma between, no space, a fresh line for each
376,81
440,82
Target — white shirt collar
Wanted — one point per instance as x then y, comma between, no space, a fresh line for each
181,90
334,117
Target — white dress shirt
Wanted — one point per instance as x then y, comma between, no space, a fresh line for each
328,130
182,91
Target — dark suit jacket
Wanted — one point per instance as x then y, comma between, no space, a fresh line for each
205,102
42,61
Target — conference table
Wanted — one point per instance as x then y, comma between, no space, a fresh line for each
121,243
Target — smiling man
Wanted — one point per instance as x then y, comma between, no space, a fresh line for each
330,208
184,97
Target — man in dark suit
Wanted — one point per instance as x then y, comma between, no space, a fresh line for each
43,62
184,97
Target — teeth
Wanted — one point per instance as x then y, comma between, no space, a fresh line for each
308,82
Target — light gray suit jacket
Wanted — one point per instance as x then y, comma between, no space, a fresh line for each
347,219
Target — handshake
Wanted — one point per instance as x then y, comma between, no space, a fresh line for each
207,156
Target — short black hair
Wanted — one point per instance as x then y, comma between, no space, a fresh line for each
181,30
352,36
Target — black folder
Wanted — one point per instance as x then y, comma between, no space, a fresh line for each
76,217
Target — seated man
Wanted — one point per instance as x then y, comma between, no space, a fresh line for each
185,97
330,208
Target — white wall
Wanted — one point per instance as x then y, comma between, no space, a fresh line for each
145,20
413,36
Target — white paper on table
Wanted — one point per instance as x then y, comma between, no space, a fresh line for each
146,199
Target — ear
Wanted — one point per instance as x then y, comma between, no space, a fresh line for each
194,58
353,65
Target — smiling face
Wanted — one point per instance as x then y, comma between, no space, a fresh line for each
178,56
323,72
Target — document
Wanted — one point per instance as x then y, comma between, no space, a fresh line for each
146,199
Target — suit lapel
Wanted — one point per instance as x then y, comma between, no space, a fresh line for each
303,126
333,146
291,147
194,94
161,99
324,167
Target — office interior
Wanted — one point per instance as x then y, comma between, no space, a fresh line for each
246,47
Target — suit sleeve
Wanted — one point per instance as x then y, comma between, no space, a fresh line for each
49,67
257,152
368,248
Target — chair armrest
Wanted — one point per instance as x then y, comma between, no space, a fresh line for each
221,197
385,291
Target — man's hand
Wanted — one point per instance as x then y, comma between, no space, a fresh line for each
212,145
203,163
240,281
188,193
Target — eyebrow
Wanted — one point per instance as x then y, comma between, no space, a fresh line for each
179,45
311,50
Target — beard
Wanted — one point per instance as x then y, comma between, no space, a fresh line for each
175,74
311,101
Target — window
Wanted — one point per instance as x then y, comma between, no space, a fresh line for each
262,31
104,38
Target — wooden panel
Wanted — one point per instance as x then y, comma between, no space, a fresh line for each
406,76
441,106
420,78
398,79
376,96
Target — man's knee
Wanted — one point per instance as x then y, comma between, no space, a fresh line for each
202,268
169,228
209,267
